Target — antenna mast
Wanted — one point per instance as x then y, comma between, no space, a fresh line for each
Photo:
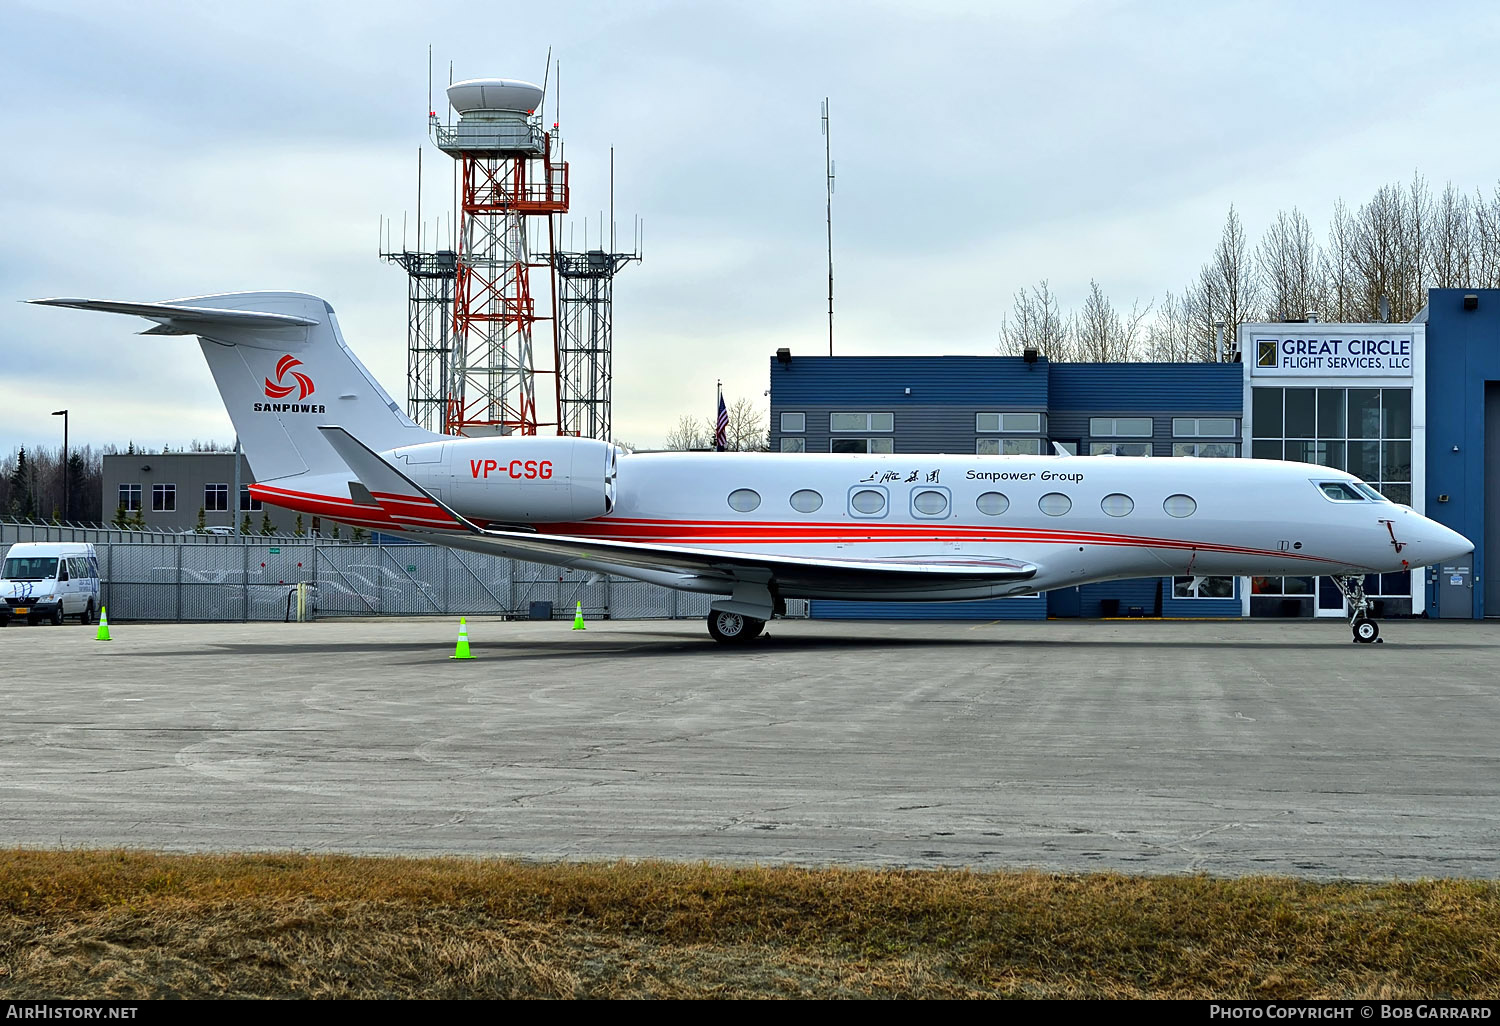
828,172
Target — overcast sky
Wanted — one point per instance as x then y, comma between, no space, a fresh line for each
154,150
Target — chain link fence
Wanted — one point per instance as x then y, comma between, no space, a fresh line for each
153,576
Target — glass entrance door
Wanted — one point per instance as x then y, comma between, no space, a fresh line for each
1330,599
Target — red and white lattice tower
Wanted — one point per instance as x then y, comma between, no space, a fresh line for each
507,180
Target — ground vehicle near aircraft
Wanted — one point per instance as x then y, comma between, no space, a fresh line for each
758,528
48,581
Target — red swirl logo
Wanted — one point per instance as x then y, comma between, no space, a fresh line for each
276,390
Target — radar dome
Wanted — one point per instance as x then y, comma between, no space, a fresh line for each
506,94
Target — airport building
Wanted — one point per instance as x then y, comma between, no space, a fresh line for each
1407,407
168,489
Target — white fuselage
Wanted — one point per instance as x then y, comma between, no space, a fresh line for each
1078,519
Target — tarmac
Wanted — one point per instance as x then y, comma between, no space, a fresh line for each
1228,748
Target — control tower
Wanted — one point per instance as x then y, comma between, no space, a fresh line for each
507,180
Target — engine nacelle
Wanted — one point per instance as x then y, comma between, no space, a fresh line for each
515,479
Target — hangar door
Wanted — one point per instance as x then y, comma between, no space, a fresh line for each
1491,540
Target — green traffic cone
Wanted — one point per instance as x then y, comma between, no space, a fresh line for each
462,651
578,617
103,632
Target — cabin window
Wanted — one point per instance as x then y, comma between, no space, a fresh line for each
1203,587
861,422
861,445
930,502
1340,491
743,500
867,502
806,500
794,444
1180,506
1021,423
1054,504
1119,448
1008,446
1120,427
1117,505
992,504
794,422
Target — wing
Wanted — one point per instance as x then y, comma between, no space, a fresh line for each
421,512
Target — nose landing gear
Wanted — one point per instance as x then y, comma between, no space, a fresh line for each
1366,631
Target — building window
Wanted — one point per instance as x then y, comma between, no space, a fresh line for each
1119,448
163,498
797,444
247,504
1217,450
794,422
1008,447
1120,427
861,445
216,498
1020,423
1203,587
1365,431
861,422
743,500
130,497
1204,427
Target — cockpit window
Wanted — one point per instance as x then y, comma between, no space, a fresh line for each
1369,492
1340,491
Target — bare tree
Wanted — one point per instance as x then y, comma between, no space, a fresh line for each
1169,336
1336,268
1485,268
1450,251
1036,322
1287,260
1230,278
1101,334
747,428
691,433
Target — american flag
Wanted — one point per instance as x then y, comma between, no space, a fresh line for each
721,429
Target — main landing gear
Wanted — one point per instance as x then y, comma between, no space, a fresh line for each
733,628
1366,631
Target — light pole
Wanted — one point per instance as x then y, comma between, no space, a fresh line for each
64,415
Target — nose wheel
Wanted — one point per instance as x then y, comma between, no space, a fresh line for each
1366,631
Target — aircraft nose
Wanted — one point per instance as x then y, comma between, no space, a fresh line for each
1437,544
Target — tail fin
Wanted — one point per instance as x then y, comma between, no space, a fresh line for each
283,371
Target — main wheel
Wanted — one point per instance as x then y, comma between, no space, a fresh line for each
1366,631
733,628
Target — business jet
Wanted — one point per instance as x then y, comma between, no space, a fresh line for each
756,529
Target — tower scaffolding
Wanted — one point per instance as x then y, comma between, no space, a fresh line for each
586,339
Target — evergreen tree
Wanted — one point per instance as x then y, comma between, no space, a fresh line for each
335,532
122,518
360,535
138,520
202,521
245,527
265,524
22,502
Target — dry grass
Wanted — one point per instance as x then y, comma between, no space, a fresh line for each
127,924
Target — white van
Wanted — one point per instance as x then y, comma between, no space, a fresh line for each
49,580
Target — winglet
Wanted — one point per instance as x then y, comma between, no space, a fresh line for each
408,503
1057,447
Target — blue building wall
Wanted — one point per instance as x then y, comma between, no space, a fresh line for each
1463,355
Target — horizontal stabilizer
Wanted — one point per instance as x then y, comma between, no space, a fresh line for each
184,320
407,502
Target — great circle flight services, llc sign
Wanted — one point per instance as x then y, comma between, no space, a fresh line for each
1352,354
